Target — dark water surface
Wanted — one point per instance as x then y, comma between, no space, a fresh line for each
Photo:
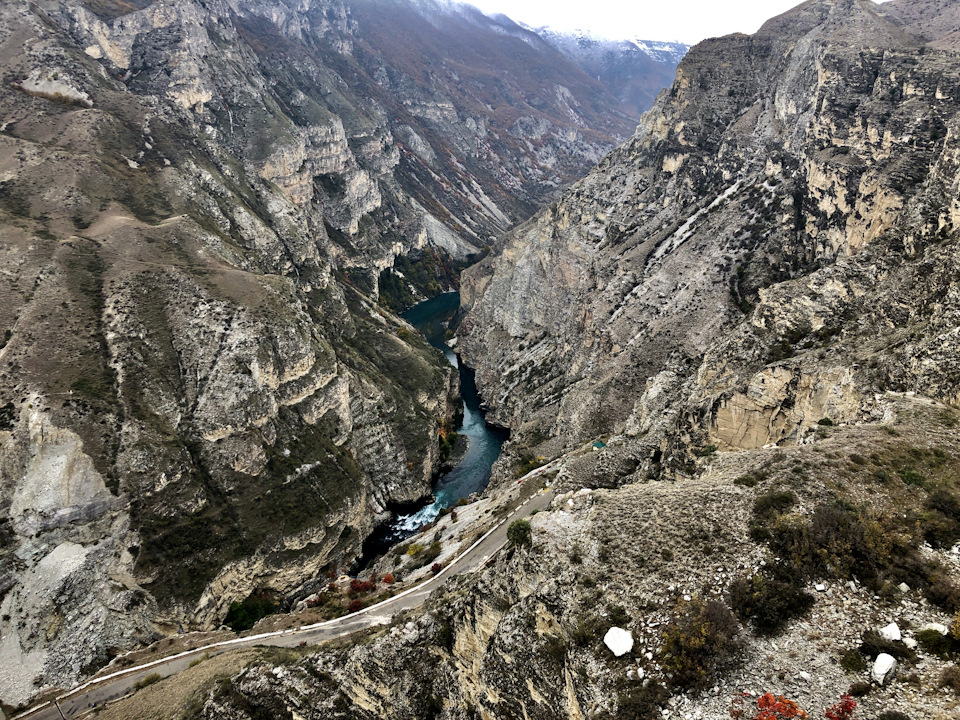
473,472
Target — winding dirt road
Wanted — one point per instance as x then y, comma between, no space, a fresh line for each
93,693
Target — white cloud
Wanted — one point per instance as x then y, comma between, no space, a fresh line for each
686,21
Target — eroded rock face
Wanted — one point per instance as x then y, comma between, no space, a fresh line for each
749,262
202,392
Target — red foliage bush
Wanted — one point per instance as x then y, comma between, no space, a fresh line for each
435,568
360,586
388,579
843,710
777,707
355,605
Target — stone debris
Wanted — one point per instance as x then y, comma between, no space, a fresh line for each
619,641
890,632
884,668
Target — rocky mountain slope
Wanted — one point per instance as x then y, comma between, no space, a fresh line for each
754,303
633,70
752,261
202,204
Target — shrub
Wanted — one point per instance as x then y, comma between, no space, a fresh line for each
943,646
873,644
244,615
767,602
843,710
893,715
618,615
944,593
436,568
777,707
859,689
360,586
746,481
519,532
389,579
853,662
150,679
445,635
701,638
584,631
641,703
774,502
769,707
825,422
414,549
838,541
555,648
950,678
355,605
942,521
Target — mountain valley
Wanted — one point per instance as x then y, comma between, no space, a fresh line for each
722,333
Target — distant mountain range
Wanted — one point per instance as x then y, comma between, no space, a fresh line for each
634,71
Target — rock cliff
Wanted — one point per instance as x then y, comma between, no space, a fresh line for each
765,252
203,393
753,302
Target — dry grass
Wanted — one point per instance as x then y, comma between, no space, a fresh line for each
178,695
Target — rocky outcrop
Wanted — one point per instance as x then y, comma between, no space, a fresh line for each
201,202
530,635
754,252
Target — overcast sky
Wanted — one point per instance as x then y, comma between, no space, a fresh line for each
687,21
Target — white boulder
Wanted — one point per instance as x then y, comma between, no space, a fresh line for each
890,632
619,641
884,668
942,629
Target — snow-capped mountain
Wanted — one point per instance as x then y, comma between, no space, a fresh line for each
633,70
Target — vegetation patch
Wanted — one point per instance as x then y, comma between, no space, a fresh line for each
769,600
519,533
256,606
702,637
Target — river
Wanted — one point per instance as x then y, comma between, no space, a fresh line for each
472,474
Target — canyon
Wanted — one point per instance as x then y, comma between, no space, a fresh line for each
731,345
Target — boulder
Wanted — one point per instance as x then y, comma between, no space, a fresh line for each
884,668
942,629
890,632
619,641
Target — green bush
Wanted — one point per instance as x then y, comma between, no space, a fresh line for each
519,532
774,502
873,644
148,680
584,631
942,519
641,703
853,662
943,592
746,481
618,615
768,602
943,646
244,615
893,715
699,639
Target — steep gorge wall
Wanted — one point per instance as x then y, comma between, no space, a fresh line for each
749,262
